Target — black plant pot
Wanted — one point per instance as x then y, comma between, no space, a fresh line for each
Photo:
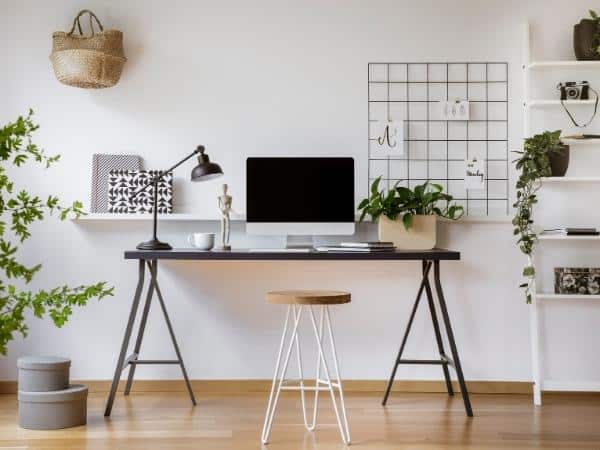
584,42
559,160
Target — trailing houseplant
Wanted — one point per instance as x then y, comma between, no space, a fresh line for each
406,216
532,164
18,211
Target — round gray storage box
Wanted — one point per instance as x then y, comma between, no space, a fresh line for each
43,373
53,410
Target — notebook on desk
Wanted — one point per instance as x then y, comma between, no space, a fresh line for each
342,248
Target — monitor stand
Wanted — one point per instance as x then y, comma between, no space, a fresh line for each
294,242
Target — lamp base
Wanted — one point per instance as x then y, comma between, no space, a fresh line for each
154,244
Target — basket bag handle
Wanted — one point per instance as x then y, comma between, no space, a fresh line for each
92,18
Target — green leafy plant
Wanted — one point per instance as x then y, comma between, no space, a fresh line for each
18,211
596,39
532,165
406,203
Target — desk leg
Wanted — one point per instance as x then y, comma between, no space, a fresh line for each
140,335
438,334
455,358
424,283
126,338
153,270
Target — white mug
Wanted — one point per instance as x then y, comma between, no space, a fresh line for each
202,241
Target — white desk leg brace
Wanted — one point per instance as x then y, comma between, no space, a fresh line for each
321,385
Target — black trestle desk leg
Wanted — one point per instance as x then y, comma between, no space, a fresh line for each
153,271
140,335
426,269
126,338
455,358
438,334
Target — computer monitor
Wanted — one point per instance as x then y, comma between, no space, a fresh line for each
300,196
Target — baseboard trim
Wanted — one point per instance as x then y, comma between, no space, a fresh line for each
247,386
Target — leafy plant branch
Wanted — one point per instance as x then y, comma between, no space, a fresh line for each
18,211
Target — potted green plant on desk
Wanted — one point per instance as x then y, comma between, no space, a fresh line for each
408,217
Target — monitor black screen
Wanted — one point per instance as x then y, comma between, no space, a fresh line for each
300,190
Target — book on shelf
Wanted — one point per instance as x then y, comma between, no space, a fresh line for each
340,248
572,232
372,244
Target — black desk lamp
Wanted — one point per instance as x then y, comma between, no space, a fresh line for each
205,170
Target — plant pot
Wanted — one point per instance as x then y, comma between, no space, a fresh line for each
421,236
584,42
559,160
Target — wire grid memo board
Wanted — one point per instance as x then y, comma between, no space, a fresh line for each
437,149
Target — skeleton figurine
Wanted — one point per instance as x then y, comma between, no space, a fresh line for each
225,208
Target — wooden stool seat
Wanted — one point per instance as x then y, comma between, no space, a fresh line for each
308,297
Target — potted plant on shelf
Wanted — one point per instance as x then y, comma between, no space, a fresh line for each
407,217
534,163
586,38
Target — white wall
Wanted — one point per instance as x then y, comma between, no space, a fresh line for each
271,77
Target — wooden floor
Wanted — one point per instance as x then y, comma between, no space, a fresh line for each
153,421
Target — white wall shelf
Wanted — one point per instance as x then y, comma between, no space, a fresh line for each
107,217
570,179
545,103
191,217
562,237
563,64
567,297
593,141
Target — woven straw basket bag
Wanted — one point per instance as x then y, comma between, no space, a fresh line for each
88,61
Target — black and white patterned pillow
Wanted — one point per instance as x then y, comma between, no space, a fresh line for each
122,184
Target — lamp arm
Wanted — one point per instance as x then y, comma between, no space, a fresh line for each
157,178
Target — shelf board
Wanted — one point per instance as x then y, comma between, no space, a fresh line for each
580,141
178,217
570,179
543,103
187,217
576,297
562,237
563,64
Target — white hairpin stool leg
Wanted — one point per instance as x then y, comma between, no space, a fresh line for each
274,396
337,373
343,426
317,378
299,357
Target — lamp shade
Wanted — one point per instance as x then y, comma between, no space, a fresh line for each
205,170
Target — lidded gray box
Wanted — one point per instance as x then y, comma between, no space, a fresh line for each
43,373
53,410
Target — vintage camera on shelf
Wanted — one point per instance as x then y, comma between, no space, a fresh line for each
571,90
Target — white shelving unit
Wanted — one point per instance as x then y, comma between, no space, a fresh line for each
529,105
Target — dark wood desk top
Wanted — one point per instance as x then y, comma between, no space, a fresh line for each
437,254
